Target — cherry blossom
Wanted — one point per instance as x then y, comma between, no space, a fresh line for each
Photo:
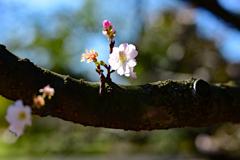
39,101
85,56
47,91
90,57
18,117
123,60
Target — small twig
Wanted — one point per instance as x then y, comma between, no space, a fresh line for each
108,72
103,79
102,85
111,45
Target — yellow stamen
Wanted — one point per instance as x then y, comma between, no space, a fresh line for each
122,57
22,116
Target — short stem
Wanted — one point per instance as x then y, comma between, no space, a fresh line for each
111,45
102,85
108,72
98,69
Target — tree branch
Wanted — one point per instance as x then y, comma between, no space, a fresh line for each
159,105
216,9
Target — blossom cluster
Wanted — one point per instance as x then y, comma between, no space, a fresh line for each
19,116
46,91
122,58
90,57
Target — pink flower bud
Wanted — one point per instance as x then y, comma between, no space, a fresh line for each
39,101
106,24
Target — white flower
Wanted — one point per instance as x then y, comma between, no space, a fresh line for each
18,117
122,59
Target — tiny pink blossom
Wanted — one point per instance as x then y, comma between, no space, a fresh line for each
123,60
39,101
18,116
48,91
106,24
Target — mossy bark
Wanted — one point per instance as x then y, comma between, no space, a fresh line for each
159,105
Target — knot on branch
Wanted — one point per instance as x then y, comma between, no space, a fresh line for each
201,89
1,45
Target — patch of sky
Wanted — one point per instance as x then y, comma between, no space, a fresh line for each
18,13
226,38
230,49
230,5
45,6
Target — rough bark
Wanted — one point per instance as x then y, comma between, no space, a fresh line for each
159,105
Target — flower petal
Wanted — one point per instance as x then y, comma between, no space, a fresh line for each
115,52
115,66
132,54
132,74
132,63
127,72
120,71
123,47
131,47
113,60
18,103
17,129
104,33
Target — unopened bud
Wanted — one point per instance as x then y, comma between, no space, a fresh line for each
106,24
96,63
98,70
102,63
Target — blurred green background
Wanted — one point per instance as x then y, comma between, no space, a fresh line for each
174,41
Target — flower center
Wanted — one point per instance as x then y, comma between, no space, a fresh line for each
22,116
122,56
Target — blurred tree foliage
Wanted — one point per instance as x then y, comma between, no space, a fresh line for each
169,48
